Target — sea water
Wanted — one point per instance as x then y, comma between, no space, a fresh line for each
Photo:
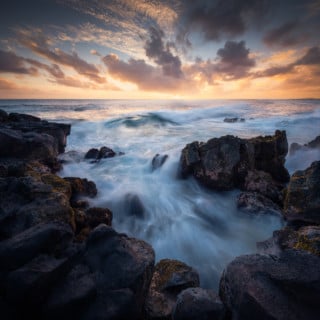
179,218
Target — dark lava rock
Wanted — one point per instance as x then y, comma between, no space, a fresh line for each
198,304
223,163
305,238
270,287
170,277
302,201
29,200
42,238
314,144
232,120
81,188
253,202
158,161
262,182
122,269
96,154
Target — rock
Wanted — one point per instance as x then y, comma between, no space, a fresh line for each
27,201
73,294
87,220
158,161
81,188
314,144
120,265
96,154
256,203
19,117
302,200
42,238
232,120
92,154
133,206
223,163
3,116
262,182
198,304
269,287
306,238
170,277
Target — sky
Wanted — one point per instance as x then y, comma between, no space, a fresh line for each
178,49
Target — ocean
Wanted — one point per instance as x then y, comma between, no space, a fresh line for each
180,219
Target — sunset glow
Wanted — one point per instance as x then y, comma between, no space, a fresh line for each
160,49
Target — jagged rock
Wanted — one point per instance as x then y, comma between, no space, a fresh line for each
302,200
81,188
170,277
269,287
198,304
42,238
122,269
306,238
29,200
253,202
262,182
223,163
158,161
314,144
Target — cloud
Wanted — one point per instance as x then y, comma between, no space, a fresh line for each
234,60
288,34
145,76
39,44
161,54
11,63
310,58
217,18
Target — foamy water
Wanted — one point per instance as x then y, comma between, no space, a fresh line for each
181,219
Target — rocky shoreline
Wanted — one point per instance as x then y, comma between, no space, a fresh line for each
61,258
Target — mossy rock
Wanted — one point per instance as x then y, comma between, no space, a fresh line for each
58,184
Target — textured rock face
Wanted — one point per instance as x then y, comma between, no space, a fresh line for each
170,277
223,163
302,201
270,287
198,304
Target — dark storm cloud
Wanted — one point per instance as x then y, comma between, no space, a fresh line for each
234,60
285,35
39,44
160,52
310,58
216,18
145,76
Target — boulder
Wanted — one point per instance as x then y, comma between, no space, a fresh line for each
170,277
158,161
256,203
198,304
272,287
305,238
122,269
302,200
223,163
3,116
92,154
96,154
314,144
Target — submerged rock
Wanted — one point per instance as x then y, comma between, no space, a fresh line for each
302,201
232,120
198,304
223,163
170,277
269,287
96,154
314,144
158,161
